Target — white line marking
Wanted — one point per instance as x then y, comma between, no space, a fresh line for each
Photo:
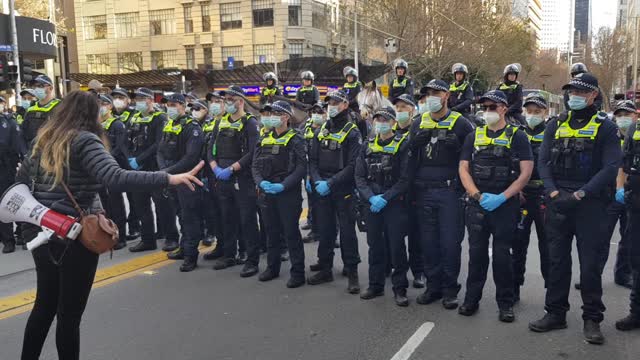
414,341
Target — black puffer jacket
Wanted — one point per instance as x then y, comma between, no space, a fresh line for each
91,169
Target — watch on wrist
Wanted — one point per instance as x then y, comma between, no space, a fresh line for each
580,194
476,196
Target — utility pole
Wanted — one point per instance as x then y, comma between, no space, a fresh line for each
355,36
635,60
14,43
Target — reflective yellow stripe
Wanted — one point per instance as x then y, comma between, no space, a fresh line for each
504,86
339,136
46,108
175,129
399,84
352,85
482,139
139,119
448,123
237,125
536,138
107,123
306,88
284,140
589,131
454,87
392,148
269,92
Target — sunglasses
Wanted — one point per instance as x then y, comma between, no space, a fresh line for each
492,107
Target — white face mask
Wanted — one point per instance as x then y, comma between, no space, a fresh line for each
2,106
104,111
199,114
534,120
491,117
119,104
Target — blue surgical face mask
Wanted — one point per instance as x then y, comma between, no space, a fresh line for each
141,106
172,113
434,104
276,121
41,93
403,117
266,121
534,120
104,110
333,111
230,106
422,108
215,109
25,104
318,119
624,122
577,102
382,128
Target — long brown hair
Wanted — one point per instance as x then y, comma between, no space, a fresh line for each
78,112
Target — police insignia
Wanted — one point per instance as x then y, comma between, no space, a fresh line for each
196,133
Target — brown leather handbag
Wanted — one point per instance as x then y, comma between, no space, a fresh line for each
99,234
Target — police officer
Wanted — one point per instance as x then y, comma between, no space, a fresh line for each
401,84
317,117
436,142
308,94
580,68
145,132
405,109
461,92
212,198
578,162
27,98
513,90
631,199
333,155
116,132
532,206
41,111
12,149
495,165
121,109
352,87
231,152
268,92
382,179
179,150
279,166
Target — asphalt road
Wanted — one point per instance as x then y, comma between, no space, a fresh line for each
217,315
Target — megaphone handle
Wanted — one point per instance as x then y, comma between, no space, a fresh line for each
42,238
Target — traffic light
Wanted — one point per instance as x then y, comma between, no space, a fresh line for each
4,79
12,74
27,70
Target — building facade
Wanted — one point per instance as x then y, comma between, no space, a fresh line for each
532,12
124,36
557,27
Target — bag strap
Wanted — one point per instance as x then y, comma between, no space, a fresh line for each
73,200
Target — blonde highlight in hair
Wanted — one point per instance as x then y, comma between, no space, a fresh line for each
78,112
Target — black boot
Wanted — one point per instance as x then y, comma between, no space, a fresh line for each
321,277
142,246
223,263
267,275
371,293
400,296
248,270
468,309
418,281
507,315
132,235
207,241
315,267
450,302
284,256
429,297
9,247
242,258
353,286
547,323
592,333
176,255
189,264
306,226
214,254
120,245
625,282
629,323
170,246
295,282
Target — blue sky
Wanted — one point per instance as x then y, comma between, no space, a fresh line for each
604,14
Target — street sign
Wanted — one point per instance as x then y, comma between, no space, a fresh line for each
230,63
390,45
7,48
262,59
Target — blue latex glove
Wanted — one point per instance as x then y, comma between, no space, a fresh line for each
265,185
307,185
377,203
322,188
224,174
134,164
491,202
620,195
275,189
216,171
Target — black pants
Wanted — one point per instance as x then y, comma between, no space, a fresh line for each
239,210
190,209
6,229
211,210
281,213
441,223
133,220
329,207
501,224
534,206
62,292
113,204
622,268
167,204
586,220
632,233
391,223
414,244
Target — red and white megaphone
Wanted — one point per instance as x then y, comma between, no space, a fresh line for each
18,205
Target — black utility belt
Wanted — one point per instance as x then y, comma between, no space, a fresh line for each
437,184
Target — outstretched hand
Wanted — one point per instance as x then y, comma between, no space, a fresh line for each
189,178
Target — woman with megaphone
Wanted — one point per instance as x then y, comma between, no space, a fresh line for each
70,150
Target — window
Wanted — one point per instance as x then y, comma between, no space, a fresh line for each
318,16
98,64
319,50
232,51
295,50
262,13
208,54
206,18
295,13
191,58
162,22
230,16
188,20
263,51
163,59
127,25
129,62
95,27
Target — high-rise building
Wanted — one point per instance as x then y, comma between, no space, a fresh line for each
557,25
532,12
582,21
621,14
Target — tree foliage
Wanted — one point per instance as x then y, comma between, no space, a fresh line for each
39,9
610,53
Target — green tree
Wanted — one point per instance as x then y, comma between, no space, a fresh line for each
610,51
39,9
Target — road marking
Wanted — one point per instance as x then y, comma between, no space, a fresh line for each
414,341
